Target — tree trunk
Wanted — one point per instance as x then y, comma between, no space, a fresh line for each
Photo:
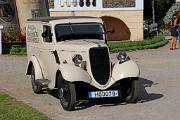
153,11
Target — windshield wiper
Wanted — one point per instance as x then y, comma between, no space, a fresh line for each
72,32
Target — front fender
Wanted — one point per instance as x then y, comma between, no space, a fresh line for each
73,73
125,70
34,62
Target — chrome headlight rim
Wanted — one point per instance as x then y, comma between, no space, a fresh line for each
77,59
122,57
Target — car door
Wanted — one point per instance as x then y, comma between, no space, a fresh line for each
48,53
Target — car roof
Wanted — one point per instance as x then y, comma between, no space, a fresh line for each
47,19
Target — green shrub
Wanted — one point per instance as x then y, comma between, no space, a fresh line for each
155,42
18,51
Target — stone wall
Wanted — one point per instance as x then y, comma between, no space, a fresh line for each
30,9
118,3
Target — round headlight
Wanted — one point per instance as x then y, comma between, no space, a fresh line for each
77,59
122,57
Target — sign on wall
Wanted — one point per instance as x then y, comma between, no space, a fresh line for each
118,3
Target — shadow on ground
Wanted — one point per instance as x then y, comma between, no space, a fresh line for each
144,97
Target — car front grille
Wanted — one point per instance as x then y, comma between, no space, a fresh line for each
100,64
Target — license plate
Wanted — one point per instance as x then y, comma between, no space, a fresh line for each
103,94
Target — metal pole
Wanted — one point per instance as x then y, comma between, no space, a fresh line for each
1,27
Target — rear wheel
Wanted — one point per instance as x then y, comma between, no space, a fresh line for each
130,90
35,86
67,94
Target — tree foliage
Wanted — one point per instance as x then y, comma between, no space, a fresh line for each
175,9
161,7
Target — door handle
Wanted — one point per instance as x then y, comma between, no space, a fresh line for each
52,52
56,56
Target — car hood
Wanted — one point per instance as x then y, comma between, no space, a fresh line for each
80,45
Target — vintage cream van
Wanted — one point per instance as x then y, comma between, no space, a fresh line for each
70,54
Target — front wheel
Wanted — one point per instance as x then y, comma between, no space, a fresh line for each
67,94
35,86
130,90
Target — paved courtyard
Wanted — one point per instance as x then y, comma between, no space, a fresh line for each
159,98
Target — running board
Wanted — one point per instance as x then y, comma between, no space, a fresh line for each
43,82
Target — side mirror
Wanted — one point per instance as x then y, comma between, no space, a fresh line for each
110,31
44,34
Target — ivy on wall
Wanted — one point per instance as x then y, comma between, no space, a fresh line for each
175,7
51,4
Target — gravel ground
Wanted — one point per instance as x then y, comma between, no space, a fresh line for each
159,99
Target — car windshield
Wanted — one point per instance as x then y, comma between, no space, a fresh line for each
78,31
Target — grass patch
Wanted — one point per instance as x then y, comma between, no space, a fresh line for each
155,42
18,51
10,109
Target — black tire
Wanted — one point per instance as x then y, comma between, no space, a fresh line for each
35,86
67,94
130,90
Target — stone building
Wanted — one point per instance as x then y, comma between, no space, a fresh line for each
31,9
13,16
14,13
125,16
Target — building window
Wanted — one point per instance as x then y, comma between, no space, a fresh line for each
36,13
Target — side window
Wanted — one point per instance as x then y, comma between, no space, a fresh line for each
47,35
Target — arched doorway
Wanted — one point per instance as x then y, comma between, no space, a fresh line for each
122,32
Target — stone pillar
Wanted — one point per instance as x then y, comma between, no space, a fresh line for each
30,9
1,27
